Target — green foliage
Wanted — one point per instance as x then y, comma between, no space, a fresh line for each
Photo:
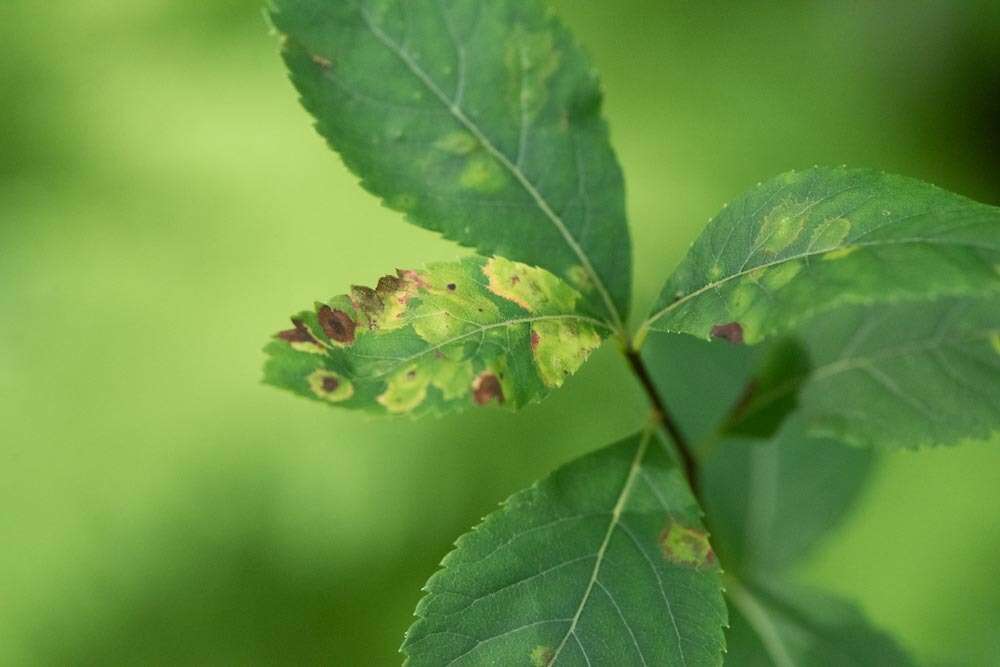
823,309
604,562
781,625
809,241
474,332
479,120
905,375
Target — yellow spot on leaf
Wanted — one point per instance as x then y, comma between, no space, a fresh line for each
560,347
840,253
482,174
531,288
995,340
330,386
406,390
778,276
308,346
457,143
541,656
830,233
686,546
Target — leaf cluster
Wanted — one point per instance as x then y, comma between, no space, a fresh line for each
822,315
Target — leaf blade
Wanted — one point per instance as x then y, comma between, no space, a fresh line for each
474,332
780,625
626,504
807,242
905,375
447,131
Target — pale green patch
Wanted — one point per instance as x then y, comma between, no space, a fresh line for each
330,386
580,279
995,341
779,276
840,253
531,288
831,233
457,143
406,389
686,546
307,346
541,656
483,174
560,347
781,227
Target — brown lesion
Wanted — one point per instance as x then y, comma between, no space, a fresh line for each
486,387
337,324
731,331
300,334
301,339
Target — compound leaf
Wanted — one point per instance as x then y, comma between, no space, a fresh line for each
778,625
809,241
605,562
455,334
478,120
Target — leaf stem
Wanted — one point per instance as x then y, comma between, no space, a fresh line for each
663,417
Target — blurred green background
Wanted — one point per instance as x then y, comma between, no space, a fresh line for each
164,205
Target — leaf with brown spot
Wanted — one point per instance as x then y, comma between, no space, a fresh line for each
434,341
575,563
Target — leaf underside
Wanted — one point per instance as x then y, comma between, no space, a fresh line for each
478,120
779,625
457,334
604,562
806,242
905,375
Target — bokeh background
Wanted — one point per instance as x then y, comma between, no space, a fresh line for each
165,204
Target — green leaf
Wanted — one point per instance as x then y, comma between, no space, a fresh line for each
768,500
456,334
809,241
778,625
770,503
479,120
605,562
905,375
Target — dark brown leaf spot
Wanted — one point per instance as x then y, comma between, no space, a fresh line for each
330,384
388,284
486,387
732,332
300,334
337,324
535,339
452,287
367,301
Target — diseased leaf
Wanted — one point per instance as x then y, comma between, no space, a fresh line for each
473,332
479,120
809,241
778,625
605,562
905,375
